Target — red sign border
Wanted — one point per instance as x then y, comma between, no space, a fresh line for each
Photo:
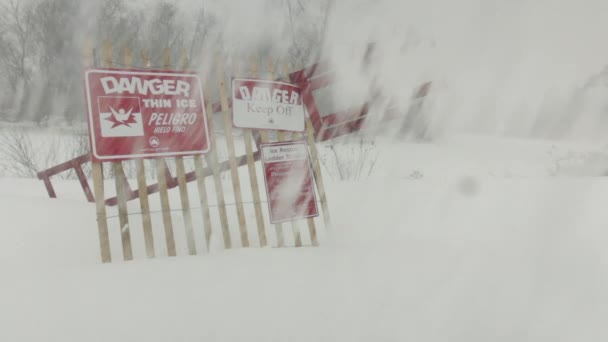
310,169
90,120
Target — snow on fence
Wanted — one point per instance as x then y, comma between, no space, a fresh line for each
205,166
206,169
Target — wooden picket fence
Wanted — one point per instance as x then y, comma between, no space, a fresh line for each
177,219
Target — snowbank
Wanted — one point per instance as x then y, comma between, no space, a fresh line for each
459,257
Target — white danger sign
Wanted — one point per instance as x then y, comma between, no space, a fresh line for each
265,104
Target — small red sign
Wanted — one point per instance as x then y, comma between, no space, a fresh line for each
289,181
145,114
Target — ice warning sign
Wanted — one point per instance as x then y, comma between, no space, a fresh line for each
145,114
289,181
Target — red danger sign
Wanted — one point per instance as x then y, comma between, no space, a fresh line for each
289,181
145,114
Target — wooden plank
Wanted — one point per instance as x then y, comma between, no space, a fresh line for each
343,117
123,215
107,53
83,183
97,174
317,171
312,230
64,166
144,204
253,180
165,182
183,192
181,173
129,194
142,188
166,58
119,179
49,187
212,160
322,81
191,176
278,226
102,221
254,73
255,188
311,107
281,136
199,174
327,133
204,202
165,207
294,224
285,72
184,60
171,182
236,184
295,227
310,220
264,138
145,58
161,173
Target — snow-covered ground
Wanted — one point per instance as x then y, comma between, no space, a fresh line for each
470,238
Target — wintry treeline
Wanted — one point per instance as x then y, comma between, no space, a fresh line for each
42,42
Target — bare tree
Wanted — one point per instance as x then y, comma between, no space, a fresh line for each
16,45
307,30
120,24
163,30
205,24
58,58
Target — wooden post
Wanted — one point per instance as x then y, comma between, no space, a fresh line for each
212,160
312,230
165,207
202,193
294,224
142,187
278,226
198,169
183,192
253,180
255,189
123,215
83,182
49,186
145,58
119,180
254,73
310,135
238,198
102,221
144,203
281,136
181,178
161,175
97,174
265,139
311,221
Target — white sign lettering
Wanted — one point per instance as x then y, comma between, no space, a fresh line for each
133,85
